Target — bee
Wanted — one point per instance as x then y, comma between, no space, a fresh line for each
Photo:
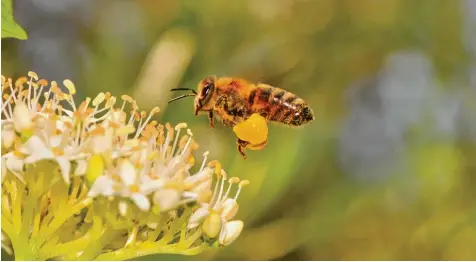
234,101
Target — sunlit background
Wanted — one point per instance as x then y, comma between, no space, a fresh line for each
386,171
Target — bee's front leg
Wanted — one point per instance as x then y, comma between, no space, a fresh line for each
210,119
241,147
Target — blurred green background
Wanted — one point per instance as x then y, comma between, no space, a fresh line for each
386,171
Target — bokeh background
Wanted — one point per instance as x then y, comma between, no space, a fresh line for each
388,168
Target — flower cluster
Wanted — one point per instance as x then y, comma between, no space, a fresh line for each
106,182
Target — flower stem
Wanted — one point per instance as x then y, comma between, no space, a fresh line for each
95,248
59,220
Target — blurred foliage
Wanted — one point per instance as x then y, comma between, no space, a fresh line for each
300,204
10,28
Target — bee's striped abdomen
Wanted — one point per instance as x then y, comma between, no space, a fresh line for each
279,105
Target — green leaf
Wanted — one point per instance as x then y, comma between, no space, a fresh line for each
10,28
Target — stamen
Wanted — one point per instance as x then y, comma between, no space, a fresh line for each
170,132
189,132
141,128
231,181
215,190
205,156
99,99
33,75
12,90
240,186
178,127
7,102
29,92
221,192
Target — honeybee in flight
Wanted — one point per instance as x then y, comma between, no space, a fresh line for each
235,100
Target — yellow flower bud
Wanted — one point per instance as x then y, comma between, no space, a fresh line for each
95,168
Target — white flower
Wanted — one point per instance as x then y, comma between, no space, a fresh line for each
37,150
215,215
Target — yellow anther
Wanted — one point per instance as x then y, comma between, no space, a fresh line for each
218,169
20,81
183,141
97,131
33,75
190,160
233,180
70,86
127,98
43,82
155,110
244,183
99,99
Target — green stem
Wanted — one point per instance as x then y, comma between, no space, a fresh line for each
17,243
59,220
145,249
95,248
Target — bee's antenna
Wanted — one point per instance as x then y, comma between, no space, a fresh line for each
180,97
184,89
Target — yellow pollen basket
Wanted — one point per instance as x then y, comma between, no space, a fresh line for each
253,130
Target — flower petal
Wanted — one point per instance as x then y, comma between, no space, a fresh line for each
123,208
14,164
36,149
229,209
141,201
166,199
152,186
128,173
65,168
22,117
102,186
231,231
197,217
8,136
81,167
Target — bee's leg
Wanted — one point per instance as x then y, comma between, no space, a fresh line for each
241,147
210,119
231,109
221,108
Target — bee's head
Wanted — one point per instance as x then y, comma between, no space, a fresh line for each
206,87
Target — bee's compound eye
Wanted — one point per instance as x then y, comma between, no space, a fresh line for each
253,130
206,90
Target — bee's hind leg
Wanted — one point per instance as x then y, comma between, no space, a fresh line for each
241,147
210,119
